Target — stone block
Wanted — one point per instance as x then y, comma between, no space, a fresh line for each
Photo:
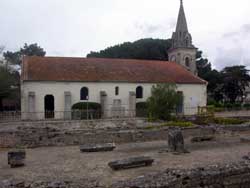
245,139
97,147
16,158
176,141
133,162
202,138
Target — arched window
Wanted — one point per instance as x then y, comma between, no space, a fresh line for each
187,62
116,90
84,94
139,92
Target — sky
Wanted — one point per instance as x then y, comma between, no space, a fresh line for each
220,28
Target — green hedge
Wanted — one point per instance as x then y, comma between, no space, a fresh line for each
85,105
247,106
79,110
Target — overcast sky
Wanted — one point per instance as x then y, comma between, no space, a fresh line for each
220,28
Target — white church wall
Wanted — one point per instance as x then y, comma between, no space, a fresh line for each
194,95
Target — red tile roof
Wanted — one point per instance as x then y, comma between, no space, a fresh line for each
105,70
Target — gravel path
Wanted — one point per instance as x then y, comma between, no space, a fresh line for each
67,163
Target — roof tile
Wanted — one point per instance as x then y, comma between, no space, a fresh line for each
105,70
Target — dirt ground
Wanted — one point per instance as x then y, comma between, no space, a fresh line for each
68,163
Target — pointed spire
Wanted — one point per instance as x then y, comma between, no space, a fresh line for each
182,22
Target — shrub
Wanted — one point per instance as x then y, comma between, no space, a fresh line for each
181,124
85,105
83,109
141,105
141,109
178,124
247,106
203,120
215,104
228,105
163,101
211,102
228,121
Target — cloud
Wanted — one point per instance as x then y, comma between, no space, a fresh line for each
154,29
233,48
230,34
226,58
147,28
242,32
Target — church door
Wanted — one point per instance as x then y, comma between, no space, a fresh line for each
49,105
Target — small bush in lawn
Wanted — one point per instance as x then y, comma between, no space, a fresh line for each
178,124
228,121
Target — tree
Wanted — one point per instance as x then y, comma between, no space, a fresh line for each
15,58
235,79
150,49
9,81
164,99
203,65
32,50
9,75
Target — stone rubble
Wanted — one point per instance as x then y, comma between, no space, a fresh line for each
54,184
216,176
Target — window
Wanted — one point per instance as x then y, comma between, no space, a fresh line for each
187,62
84,93
117,90
139,92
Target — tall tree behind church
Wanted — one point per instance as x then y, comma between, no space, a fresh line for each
150,49
15,57
9,74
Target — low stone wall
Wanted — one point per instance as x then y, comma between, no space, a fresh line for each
46,136
38,134
41,134
227,176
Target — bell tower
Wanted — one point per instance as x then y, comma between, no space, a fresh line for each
182,50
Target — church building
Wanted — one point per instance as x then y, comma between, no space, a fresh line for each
55,84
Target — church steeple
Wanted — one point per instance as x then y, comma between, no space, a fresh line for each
181,37
182,22
182,50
